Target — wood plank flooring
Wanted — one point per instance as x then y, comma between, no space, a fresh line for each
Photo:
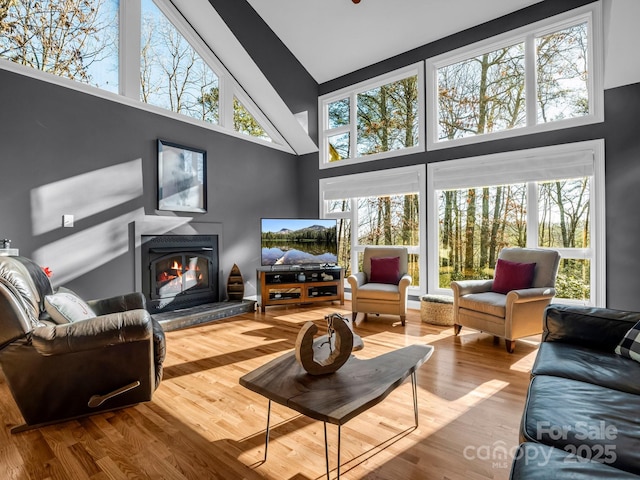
201,424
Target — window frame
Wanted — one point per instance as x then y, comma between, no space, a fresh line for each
351,92
474,167
592,14
129,23
378,181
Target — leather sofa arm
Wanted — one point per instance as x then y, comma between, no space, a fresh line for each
593,327
98,332
465,287
120,303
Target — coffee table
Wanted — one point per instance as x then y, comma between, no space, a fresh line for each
337,397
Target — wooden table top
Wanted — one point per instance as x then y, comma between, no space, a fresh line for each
336,397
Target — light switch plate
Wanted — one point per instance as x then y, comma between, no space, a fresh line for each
67,221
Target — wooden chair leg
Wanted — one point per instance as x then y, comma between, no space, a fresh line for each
456,329
496,340
510,344
403,319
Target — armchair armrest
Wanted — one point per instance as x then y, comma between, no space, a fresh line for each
465,287
599,328
530,295
120,303
357,280
404,283
93,333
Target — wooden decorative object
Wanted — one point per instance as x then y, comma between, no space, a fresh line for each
327,353
235,284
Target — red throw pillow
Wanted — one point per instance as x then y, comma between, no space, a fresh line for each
385,270
512,276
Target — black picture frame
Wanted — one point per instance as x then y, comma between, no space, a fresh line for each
182,178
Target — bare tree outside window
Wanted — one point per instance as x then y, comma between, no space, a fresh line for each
75,39
388,117
476,223
562,74
172,74
486,93
483,94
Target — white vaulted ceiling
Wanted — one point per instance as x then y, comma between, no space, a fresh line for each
334,37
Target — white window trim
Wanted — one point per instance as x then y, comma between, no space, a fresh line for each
351,92
129,76
474,167
591,13
378,183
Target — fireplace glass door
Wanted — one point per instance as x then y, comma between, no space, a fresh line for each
179,274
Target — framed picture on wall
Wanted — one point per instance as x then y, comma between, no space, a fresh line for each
182,178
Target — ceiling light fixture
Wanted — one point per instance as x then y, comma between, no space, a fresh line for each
355,1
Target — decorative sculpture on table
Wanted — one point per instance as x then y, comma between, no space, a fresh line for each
327,353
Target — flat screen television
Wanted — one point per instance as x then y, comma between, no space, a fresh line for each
298,242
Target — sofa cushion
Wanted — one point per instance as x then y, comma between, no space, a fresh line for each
379,291
629,346
64,306
490,303
592,421
385,270
512,276
533,461
587,365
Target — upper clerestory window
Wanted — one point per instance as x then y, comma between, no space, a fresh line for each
73,39
144,50
544,76
375,119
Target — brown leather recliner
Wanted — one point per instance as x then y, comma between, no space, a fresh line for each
58,372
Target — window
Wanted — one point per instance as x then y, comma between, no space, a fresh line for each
172,74
550,197
141,50
378,208
179,73
74,39
375,119
545,76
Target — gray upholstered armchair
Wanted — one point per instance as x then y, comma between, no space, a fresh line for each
510,315
381,286
59,369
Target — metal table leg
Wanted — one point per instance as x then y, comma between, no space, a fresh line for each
414,387
266,438
326,451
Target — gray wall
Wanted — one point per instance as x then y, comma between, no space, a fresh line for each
51,133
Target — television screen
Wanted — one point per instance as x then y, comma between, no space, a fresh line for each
289,241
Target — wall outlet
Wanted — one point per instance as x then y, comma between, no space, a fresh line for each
67,221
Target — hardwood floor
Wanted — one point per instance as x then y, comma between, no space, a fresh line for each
202,424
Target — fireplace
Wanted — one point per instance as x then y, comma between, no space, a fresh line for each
179,271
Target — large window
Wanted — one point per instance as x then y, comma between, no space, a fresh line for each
545,198
375,119
143,50
378,208
172,74
74,39
544,76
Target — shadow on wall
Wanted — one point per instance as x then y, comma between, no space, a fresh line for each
83,196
